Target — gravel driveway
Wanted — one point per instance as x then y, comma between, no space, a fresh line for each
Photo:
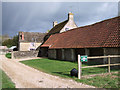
26,77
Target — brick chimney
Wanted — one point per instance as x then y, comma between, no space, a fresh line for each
22,36
54,23
70,16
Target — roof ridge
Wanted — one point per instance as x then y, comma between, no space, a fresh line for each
89,25
61,22
57,27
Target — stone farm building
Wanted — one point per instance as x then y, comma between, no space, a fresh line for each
59,28
63,26
30,40
102,38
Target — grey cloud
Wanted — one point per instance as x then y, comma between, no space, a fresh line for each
38,17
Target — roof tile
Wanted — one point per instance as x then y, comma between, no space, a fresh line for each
101,34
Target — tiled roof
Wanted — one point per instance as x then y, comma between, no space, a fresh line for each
57,28
51,40
101,34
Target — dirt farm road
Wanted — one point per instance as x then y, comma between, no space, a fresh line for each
26,77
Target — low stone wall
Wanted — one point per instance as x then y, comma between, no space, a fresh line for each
24,54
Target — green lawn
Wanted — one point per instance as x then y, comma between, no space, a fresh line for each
6,82
8,55
63,68
102,81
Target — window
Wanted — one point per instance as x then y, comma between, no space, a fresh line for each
20,36
32,44
66,29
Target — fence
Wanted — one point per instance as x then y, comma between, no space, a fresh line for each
109,56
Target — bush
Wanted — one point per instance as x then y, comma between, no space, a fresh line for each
8,55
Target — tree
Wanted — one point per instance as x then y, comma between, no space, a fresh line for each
15,40
11,42
5,37
7,43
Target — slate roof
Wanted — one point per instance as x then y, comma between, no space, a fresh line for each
33,37
102,34
57,28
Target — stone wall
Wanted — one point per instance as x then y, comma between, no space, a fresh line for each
24,54
71,55
52,53
43,52
67,54
113,51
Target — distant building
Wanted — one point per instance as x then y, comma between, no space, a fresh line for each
30,40
13,48
99,39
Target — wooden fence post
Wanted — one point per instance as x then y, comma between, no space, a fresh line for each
79,67
109,64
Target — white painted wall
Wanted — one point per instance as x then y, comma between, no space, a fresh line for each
26,46
71,24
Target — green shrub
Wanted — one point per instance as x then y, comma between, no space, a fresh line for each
8,55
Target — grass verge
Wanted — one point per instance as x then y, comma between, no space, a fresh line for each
63,68
6,81
8,55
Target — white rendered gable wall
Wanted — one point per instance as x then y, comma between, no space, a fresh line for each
70,25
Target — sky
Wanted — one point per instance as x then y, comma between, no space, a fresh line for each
39,16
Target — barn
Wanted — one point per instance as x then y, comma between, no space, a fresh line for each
99,39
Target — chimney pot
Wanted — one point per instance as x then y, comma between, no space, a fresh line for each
22,36
70,16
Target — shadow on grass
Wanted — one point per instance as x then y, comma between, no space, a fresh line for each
62,73
64,60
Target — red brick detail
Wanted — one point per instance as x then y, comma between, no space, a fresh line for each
22,36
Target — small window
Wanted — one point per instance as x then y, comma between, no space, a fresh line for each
32,49
66,29
20,36
32,44
32,39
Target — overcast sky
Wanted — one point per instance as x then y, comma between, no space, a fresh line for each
39,16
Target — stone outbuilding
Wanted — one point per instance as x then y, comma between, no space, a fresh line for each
99,39
30,40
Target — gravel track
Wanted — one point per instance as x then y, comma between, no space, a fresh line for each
26,77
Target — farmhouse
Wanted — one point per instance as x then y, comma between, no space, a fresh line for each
59,28
102,38
63,26
30,40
